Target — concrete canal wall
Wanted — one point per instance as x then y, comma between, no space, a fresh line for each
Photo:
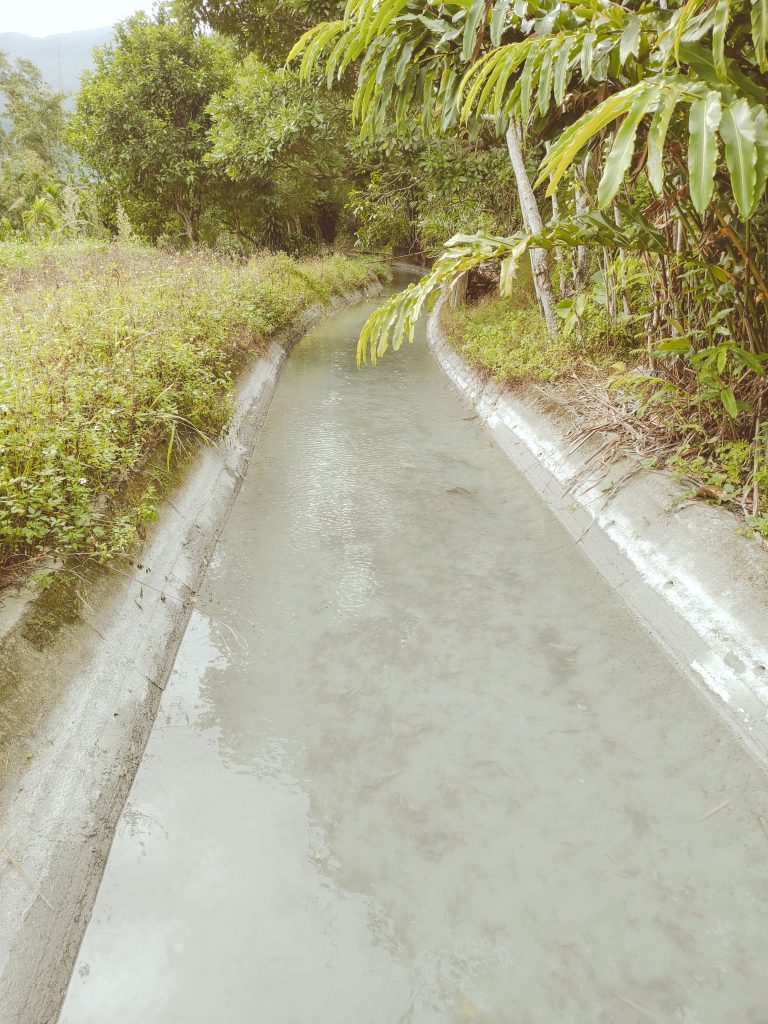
699,586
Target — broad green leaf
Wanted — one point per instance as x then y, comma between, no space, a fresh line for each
719,28
403,62
630,39
738,132
676,345
526,82
657,135
703,123
728,399
587,55
623,147
507,273
750,360
683,18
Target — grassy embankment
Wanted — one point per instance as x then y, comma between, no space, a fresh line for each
662,417
113,358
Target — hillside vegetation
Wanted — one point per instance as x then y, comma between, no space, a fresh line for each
114,359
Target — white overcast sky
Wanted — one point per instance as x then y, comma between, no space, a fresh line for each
48,17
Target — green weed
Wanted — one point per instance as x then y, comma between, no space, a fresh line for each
111,353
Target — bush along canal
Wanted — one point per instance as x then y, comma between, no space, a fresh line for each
416,761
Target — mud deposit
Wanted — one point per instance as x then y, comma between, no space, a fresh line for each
416,763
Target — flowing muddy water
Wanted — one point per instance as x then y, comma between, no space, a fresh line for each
416,763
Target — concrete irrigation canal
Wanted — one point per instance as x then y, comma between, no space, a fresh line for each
416,762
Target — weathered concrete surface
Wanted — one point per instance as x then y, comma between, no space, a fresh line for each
416,763
86,683
699,586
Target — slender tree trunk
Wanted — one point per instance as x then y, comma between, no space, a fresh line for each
533,224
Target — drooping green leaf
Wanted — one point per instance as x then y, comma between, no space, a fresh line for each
573,139
587,55
526,82
472,26
728,399
702,150
561,71
405,57
682,20
545,80
657,135
498,20
623,147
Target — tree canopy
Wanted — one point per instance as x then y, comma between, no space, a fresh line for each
142,120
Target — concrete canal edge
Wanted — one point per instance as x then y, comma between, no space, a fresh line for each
699,587
108,669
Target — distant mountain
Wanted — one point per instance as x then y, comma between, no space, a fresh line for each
62,58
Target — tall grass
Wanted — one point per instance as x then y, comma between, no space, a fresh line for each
112,353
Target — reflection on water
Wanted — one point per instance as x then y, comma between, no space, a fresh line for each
416,764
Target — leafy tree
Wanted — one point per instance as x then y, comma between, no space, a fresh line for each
142,122
648,122
284,144
265,27
32,156
34,112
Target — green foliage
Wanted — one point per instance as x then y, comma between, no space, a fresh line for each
728,472
599,79
141,123
266,27
653,118
32,157
111,353
418,190
283,144
508,342
507,338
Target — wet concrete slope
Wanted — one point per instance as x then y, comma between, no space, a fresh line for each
416,763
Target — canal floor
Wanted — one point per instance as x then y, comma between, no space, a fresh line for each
416,763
